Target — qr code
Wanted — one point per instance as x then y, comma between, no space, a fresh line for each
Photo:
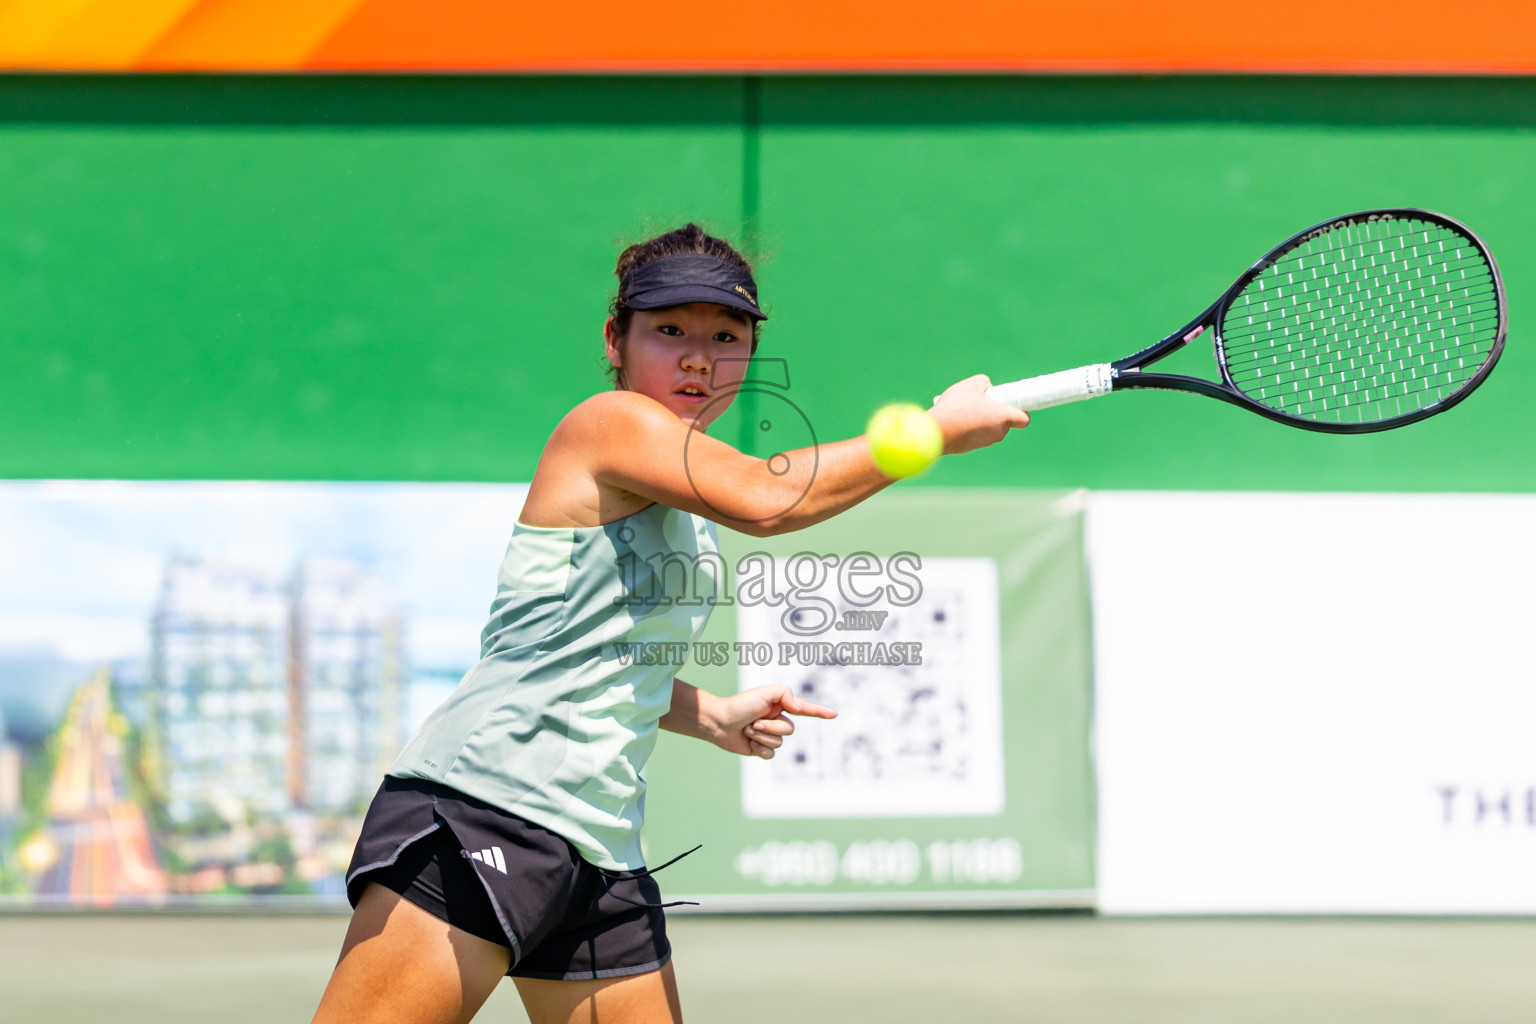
918,697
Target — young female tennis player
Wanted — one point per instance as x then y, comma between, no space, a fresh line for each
506,837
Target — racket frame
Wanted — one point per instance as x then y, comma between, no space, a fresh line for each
1129,375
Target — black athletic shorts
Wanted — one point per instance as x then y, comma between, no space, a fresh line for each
509,881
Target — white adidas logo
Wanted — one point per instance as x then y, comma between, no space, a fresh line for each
491,857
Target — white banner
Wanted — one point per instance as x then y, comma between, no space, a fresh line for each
1315,703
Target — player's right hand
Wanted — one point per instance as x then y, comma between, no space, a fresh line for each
971,420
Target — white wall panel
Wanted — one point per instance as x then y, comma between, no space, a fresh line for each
1315,703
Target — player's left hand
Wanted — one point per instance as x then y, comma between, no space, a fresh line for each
754,721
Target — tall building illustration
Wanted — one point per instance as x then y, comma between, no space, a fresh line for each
267,694
218,690
345,686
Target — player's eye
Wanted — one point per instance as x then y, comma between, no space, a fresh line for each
670,329
725,336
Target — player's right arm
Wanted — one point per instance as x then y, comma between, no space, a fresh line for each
633,445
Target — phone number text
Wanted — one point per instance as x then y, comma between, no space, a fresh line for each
882,862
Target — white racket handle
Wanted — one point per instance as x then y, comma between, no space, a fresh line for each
1075,385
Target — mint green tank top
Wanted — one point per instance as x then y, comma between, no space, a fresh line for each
557,720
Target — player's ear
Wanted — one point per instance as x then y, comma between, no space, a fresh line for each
613,343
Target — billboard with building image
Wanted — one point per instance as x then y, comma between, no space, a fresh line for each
202,683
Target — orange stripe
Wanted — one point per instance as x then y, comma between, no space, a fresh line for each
770,35
107,35
27,27
247,35
963,35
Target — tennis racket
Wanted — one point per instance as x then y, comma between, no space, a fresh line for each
1360,323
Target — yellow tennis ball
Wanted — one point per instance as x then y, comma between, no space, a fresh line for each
904,439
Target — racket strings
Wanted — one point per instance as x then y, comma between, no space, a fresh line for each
1422,247
1472,301
1364,324
1356,303
1370,344
1343,371
1273,304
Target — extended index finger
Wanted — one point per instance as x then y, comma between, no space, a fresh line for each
795,706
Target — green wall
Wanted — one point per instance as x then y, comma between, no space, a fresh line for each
405,278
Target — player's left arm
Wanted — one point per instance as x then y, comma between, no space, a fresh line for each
754,722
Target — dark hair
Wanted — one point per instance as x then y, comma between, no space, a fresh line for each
690,238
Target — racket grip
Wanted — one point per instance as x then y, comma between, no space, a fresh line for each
1074,385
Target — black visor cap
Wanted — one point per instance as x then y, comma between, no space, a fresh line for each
691,277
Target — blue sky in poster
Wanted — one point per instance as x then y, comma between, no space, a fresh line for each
81,562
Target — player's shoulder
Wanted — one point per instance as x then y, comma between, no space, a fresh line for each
615,414
616,401
608,408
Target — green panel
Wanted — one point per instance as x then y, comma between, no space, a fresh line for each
327,278
926,229
403,278
1036,541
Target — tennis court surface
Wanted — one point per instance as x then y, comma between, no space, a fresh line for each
1073,970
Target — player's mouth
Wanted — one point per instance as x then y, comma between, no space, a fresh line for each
693,394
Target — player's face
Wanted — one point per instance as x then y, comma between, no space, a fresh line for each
689,358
